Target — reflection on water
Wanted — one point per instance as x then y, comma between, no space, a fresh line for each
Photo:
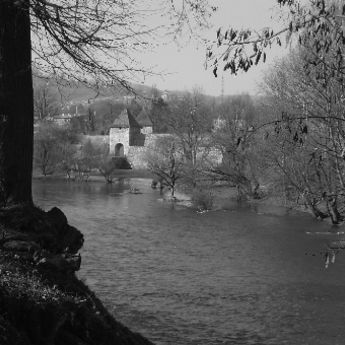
223,277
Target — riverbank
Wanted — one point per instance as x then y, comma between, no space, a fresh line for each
41,299
216,197
225,197
96,177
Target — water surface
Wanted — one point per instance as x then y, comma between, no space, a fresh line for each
233,276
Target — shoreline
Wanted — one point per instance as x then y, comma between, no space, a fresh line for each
224,196
120,173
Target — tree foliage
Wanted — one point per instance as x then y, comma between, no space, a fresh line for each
317,25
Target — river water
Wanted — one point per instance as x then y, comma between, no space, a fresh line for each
238,276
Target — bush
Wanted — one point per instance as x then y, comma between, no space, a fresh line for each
203,199
121,163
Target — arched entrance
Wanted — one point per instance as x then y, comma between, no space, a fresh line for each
119,150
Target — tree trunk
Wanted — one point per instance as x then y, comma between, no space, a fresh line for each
332,207
173,190
314,209
16,103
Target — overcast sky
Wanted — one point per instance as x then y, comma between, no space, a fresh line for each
184,66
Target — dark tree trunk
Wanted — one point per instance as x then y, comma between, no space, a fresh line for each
16,103
314,209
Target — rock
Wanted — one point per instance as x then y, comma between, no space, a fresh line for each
57,218
68,237
72,240
50,229
61,263
9,334
21,246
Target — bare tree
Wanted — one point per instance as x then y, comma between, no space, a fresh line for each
242,163
190,122
165,161
46,102
309,136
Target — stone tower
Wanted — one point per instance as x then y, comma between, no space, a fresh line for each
124,132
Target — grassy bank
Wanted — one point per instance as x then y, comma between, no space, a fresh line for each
42,302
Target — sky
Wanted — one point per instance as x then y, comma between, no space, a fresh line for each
183,66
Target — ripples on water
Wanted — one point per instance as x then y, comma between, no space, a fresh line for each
224,277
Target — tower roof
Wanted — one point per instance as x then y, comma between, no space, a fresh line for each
125,120
144,119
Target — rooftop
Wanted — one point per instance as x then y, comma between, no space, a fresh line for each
143,118
125,120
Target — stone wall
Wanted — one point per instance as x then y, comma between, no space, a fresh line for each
150,139
137,154
137,157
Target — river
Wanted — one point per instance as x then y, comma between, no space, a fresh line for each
239,276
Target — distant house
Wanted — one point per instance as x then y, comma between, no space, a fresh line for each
68,113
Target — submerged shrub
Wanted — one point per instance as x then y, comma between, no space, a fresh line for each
121,163
203,199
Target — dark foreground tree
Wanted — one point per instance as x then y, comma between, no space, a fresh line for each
16,103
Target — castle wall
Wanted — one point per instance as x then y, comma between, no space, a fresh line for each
137,157
118,135
150,139
136,153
